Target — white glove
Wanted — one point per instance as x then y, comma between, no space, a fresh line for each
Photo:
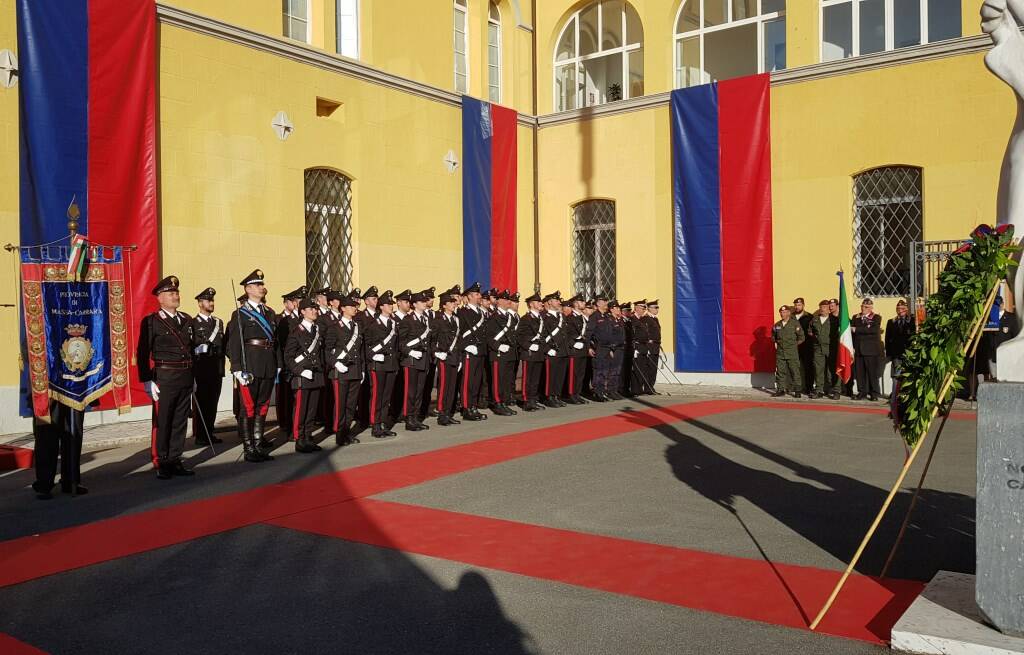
153,391
242,378
534,347
416,354
503,348
441,356
636,353
552,352
472,350
379,357
341,367
202,348
308,374
578,345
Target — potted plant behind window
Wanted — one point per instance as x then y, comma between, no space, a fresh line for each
614,92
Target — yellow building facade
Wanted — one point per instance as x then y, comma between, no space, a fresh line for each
387,117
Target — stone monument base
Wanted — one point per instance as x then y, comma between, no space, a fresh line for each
945,620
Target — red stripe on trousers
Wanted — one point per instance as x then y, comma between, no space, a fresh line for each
246,396
465,385
152,439
547,377
337,403
405,395
572,374
525,374
497,389
296,412
373,398
440,390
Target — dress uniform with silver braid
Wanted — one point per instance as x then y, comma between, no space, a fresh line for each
381,353
287,321
650,362
426,408
638,374
343,351
413,347
557,362
255,363
532,339
627,349
608,342
365,317
325,413
164,355
578,329
446,354
474,353
207,367
305,360
502,350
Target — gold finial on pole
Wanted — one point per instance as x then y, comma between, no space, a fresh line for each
74,213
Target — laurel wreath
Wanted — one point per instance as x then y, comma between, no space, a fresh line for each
937,348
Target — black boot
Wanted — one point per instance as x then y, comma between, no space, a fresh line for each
248,443
263,446
304,445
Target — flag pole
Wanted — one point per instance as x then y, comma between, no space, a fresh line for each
978,323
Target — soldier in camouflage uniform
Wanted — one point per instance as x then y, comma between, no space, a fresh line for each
788,335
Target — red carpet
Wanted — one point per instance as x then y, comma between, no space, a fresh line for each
780,594
11,646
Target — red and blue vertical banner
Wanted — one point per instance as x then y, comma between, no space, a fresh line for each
722,209
489,152
87,93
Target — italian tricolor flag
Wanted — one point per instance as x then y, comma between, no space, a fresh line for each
76,257
844,358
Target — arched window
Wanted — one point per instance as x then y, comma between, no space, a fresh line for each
599,57
722,39
494,53
296,17
887,217
593,247
328,200
850,28
348,28
461,46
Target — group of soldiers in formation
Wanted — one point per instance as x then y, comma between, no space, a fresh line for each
807,346
368,360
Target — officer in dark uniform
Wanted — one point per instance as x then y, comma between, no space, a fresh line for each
343,348
625,373
287,320
654,332
325,413
403,307
207,368
445,345
806,349
426,407
381,354
164,356
370,313
641,384
578,329
414,348
500,337
255,363
867,347
513,308
474,353
532,338
365,317
608,343
557,350
322,302
304,358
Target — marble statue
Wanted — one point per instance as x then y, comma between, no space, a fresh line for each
1001,19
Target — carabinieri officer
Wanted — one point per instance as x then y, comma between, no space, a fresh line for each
255,363
164,355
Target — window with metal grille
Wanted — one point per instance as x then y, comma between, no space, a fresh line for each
887,217
328,230
593,248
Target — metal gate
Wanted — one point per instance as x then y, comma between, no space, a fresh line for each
928,259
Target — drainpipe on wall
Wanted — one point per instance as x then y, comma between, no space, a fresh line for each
536,177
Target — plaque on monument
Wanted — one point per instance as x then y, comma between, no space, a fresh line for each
1000,508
